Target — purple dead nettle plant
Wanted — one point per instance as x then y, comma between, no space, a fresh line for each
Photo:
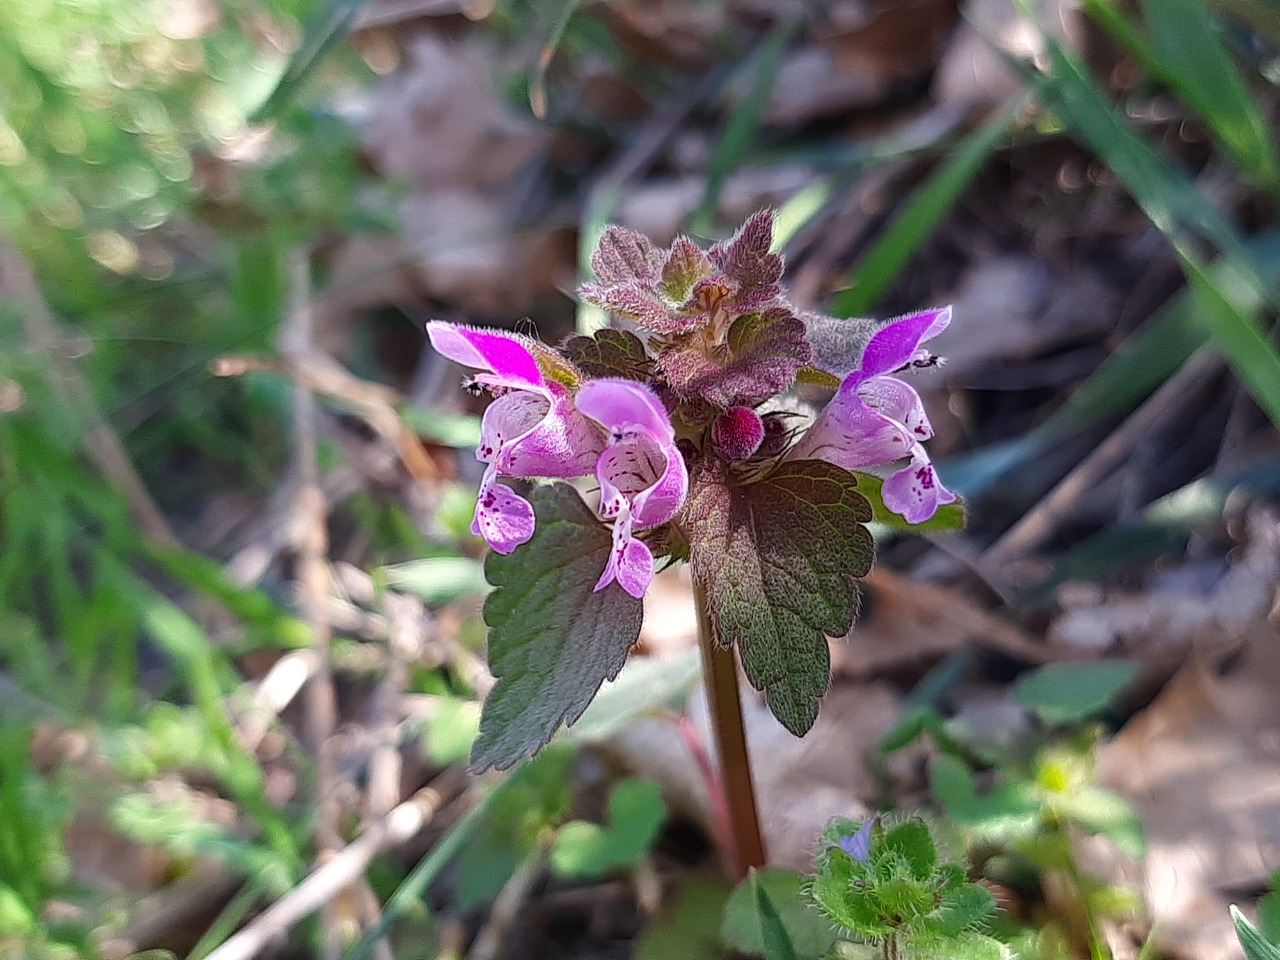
680,427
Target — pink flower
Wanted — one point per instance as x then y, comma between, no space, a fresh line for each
530,430
876,418
643,480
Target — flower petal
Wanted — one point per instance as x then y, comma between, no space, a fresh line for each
915,492
858,845
630,562
503,517
621,406
894,344
642,464
504,355
564,443
507,419
852,434
898,401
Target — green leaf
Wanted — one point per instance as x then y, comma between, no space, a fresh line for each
913,842
688,926
438,579
610,353
1065,693
779,560
451,730
961,908
834,893
1103,812
949,518
768,914
1010,810
535,799
966,946
1256,947
553,638
1192,57
877,271
1269,913
636,813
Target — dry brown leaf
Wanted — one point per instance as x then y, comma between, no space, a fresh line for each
1202,766
907,622
896,41
1157,621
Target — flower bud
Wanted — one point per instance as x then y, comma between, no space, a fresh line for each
737,433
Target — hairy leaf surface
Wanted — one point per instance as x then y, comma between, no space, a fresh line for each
610,353
780,559
552,640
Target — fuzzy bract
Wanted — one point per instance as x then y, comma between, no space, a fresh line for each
877,418
643,478
531,429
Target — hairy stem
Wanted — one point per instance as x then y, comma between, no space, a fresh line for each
720,674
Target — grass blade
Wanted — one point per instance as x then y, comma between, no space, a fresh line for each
1247,350
885,261
1184,38
320,38
1179,211
1200,72
1127,377
1255,945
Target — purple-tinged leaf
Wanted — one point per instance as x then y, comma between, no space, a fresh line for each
759,361
780,560
639,303
624,255
747,258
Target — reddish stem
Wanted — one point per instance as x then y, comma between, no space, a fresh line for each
720,674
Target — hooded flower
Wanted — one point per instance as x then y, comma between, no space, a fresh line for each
643,480
530,430
876,418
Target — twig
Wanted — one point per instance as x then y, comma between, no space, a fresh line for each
1044,517
101,442
720,674
311,514
307,366
328,881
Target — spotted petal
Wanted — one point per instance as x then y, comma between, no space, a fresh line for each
915,492
503,517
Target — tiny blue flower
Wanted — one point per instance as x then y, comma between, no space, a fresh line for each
858,845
